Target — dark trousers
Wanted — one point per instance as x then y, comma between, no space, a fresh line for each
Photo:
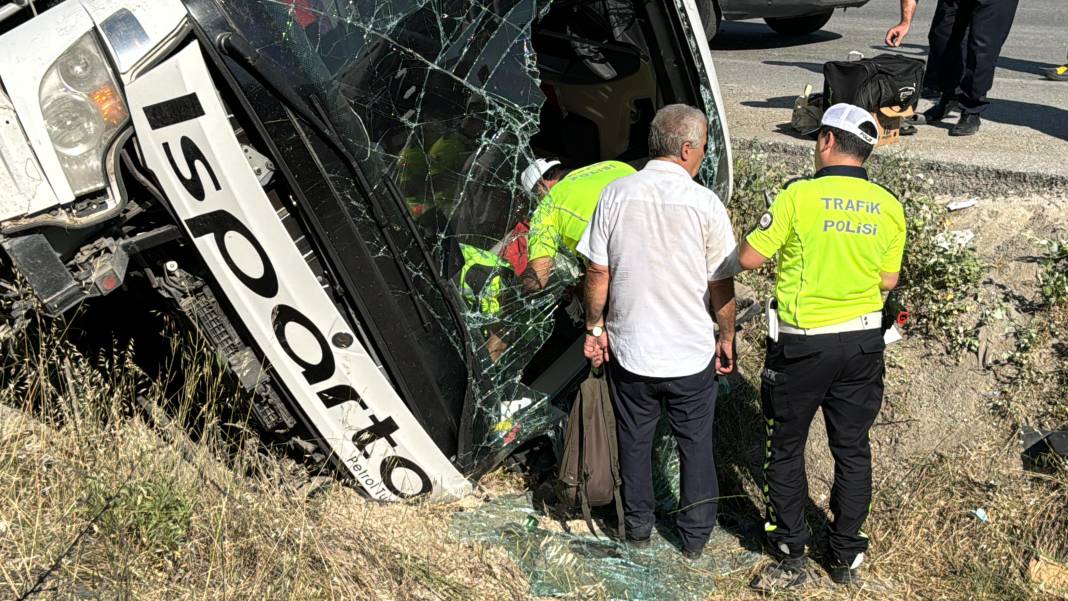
965,40
843,375
691,405
932,75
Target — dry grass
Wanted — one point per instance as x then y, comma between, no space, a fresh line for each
102,497
97,503
926,541
99,499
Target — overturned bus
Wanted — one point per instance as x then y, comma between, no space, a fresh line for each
303,179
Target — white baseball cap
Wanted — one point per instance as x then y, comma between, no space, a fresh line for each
849,117
533,173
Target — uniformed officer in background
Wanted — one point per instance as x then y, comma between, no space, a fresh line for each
965,40
839,240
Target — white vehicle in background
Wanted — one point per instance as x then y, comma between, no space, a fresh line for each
786,17
297,178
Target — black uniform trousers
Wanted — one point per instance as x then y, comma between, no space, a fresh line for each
691,406
932,75
843,375
965,39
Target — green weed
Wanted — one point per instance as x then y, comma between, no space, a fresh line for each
939,278
153,514
1054,277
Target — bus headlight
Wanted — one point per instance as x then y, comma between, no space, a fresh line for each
83,111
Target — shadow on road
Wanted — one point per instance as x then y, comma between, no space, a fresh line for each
787,129
1022,65
913,50
807,66
779,102
1049,120
739,35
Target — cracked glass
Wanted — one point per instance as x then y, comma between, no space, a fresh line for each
444,103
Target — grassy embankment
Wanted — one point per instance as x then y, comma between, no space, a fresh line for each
115,483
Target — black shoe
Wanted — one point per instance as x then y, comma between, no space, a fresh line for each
968,125
639,543
790,573
844,575
938,112
693,554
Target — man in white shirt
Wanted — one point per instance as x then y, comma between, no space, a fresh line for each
658,244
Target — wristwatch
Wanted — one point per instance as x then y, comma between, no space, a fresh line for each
595,331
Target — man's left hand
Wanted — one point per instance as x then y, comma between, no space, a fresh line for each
896,34
596,349
724,357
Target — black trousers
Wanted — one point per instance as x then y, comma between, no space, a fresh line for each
966,37
932,75
843,375
691,405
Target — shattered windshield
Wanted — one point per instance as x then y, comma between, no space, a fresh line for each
444,103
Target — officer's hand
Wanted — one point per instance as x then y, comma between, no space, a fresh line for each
724,357
896,34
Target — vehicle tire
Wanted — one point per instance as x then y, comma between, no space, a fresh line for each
799,25
710,17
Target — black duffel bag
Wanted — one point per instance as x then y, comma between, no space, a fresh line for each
874,83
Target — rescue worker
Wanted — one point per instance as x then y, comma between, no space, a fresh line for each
965,40
568,199
482,283
839,239
480,279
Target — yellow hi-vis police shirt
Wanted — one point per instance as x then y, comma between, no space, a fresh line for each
562,216
835,232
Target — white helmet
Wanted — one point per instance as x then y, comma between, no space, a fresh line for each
530,176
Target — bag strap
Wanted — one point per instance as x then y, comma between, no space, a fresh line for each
619,516
617,479
583,473
586,514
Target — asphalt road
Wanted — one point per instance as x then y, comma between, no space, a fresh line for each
1024,130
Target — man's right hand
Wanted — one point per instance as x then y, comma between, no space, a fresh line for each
596,349
724,357
896,34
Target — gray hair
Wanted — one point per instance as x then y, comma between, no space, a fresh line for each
673,126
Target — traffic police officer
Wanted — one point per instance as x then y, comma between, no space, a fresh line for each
563,212
966,37
839,240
